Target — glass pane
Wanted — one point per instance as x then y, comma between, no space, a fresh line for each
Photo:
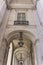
21,17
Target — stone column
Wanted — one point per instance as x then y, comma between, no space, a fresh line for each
2,51
35,56
9,55
37,53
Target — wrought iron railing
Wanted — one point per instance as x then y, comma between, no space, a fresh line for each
21,22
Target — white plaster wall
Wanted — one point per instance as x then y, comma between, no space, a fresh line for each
32,17
12,17
2,9
40,44
40,10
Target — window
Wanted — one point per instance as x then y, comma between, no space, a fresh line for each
21,17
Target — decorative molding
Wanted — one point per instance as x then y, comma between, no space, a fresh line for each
37,40
14,6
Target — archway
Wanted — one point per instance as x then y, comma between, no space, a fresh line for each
29,39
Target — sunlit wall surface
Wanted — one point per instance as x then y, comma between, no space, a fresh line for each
40,10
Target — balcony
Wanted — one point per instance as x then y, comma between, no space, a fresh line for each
21,23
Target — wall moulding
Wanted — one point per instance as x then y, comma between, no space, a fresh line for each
29,5
13,35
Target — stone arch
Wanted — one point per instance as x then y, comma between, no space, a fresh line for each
11,36
29,34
